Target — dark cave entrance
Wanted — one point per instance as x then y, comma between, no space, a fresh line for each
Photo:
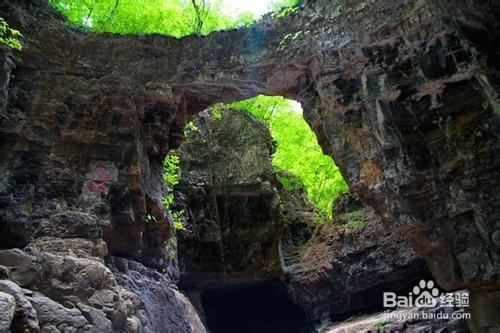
256,307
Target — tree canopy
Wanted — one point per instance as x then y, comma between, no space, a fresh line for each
297,149
173,17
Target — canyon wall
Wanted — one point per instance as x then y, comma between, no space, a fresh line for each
402,94
245,234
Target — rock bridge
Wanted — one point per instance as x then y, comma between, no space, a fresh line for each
403,94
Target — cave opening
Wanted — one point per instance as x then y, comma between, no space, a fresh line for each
253,184
257,307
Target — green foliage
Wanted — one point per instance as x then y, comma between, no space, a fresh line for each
354,224
284,7
171,178
173,17
190,127
354,220
278,5
381,324
177,217
169,17
9,37
217,113
290,183
171,169
150,218
297,151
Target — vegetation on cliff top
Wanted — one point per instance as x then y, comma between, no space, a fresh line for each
297,149
173,17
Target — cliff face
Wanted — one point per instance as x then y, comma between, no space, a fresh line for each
403,94
232,209
229,255
412,119
244,232
348,264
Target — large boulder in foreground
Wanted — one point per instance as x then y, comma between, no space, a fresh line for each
62,282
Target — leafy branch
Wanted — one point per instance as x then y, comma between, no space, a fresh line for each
10,37
171,178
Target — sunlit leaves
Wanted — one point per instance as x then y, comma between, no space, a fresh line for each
171,169
10,37
171,178
169,17
298,150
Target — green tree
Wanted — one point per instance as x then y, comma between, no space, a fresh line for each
278,5
169,17
297,149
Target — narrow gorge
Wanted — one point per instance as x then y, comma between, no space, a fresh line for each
403,95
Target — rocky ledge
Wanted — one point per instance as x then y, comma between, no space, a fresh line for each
62,282
349,263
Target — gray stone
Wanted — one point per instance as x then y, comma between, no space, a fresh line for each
7,307
23,266
25,315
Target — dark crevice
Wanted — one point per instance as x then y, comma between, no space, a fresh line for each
256,307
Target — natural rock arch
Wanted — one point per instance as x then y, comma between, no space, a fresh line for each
404,96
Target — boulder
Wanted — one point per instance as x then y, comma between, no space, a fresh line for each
7,308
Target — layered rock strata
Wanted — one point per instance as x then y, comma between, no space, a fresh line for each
403,94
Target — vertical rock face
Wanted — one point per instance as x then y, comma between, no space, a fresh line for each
348,264
403,94
411,118
92,150
342,267
229,253
328,271
81,167
226,188
300,216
